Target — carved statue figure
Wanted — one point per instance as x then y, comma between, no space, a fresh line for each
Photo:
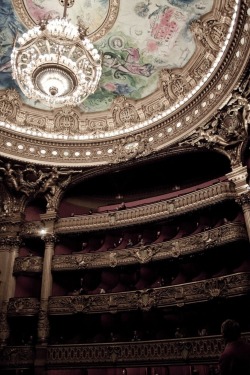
237,102
10,176
29,180
48,182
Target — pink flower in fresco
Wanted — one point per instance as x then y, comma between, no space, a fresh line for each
110,86
152,46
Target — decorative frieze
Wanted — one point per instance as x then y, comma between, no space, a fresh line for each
175,295
144,254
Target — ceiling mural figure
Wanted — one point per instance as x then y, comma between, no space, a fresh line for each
9,28
159,37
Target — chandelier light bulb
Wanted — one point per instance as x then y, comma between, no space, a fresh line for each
56,64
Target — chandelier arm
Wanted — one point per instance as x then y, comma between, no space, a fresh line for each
65,9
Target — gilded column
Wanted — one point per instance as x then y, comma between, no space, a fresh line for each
46,288
239,177
244,201
11,248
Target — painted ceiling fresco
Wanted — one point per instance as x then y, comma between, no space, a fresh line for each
137,38
168,67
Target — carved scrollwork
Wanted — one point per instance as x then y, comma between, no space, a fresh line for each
153,107
9,104
146,299
144,253
216,287
210,33
130,147
72,304
124,113
200,70
67,121
174,85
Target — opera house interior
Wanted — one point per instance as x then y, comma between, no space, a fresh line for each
124,184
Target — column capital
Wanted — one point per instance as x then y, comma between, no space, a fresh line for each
243,199
49,238
239,177
10,241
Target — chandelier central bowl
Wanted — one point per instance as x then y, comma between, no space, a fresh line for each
56,63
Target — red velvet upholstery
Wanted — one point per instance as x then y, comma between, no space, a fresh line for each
27,286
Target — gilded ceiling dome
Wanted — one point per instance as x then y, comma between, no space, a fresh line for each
167,67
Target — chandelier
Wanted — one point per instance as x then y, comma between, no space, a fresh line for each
56,63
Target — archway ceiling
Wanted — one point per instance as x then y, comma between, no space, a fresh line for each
167,67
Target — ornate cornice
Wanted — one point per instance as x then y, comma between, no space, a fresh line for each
148,212
177,295
143,254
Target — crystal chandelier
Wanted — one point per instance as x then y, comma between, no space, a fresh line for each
55,63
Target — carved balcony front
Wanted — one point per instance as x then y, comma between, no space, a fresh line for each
175,295
153,252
